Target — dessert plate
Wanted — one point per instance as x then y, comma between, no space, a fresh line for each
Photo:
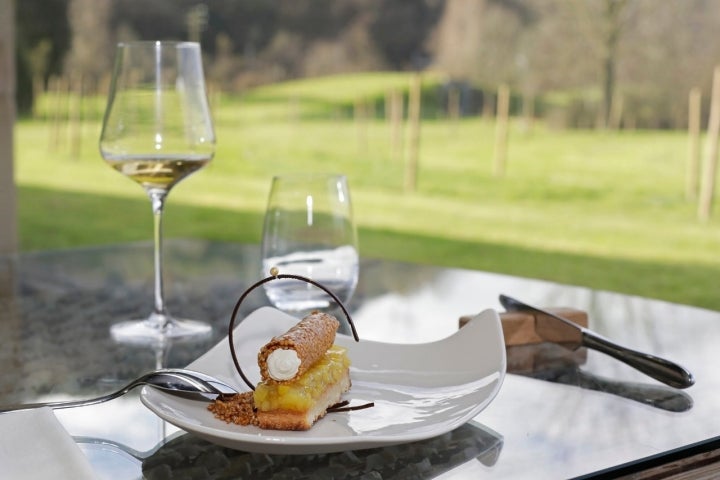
419,390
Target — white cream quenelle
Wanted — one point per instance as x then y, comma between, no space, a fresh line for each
283,364
288,356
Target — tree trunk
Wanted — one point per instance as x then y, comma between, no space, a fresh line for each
613,26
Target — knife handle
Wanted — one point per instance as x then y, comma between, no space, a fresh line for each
658,368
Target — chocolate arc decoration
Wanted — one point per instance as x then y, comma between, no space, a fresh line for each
233,317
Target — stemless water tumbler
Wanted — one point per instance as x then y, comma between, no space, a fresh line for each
309,230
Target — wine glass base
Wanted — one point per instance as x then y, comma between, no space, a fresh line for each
150,331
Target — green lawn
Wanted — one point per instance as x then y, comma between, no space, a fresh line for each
601,209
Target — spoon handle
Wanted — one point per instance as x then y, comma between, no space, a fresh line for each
75,403
62,404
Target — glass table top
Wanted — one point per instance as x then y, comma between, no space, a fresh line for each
558,414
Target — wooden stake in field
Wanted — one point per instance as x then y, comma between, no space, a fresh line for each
453,103
412,165
396,114
707,186
76,117
501,130
693,160
361,124
61,92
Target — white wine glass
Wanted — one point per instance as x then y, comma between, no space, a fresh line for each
309,230
157,130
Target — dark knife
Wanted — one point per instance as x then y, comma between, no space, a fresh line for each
553,328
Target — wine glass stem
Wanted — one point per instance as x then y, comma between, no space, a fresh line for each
158,202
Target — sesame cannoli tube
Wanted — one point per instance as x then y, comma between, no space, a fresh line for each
289,355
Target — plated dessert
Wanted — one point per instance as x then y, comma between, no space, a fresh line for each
419,390
303,375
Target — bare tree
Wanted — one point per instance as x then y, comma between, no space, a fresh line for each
665,55
477,40
591,52
90,51
38,61
613,24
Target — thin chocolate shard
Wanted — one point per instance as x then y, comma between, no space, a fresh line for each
346,407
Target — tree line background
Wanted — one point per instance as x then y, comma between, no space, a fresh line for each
605,63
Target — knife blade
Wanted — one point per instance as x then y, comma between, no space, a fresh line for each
551,327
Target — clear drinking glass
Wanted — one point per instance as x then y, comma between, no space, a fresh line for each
309,230
157,130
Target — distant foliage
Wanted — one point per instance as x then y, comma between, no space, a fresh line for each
583,62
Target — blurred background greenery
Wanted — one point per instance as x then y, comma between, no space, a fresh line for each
584,181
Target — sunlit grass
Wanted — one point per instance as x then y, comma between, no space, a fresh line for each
338,89
602,209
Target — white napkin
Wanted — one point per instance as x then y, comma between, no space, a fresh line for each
34,445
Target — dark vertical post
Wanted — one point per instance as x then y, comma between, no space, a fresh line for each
8,214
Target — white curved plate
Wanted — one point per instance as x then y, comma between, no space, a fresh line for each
420,390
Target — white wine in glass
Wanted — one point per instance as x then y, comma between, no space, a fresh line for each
157,130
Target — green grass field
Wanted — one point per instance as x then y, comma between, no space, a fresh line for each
601,209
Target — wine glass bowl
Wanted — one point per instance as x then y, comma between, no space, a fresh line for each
157,130
309,230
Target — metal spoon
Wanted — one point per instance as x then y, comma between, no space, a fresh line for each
170,379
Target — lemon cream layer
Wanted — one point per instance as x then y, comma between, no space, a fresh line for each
303,393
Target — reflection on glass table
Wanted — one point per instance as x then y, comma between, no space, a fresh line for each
453,455
56,308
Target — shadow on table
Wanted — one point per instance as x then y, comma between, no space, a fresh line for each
552,362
